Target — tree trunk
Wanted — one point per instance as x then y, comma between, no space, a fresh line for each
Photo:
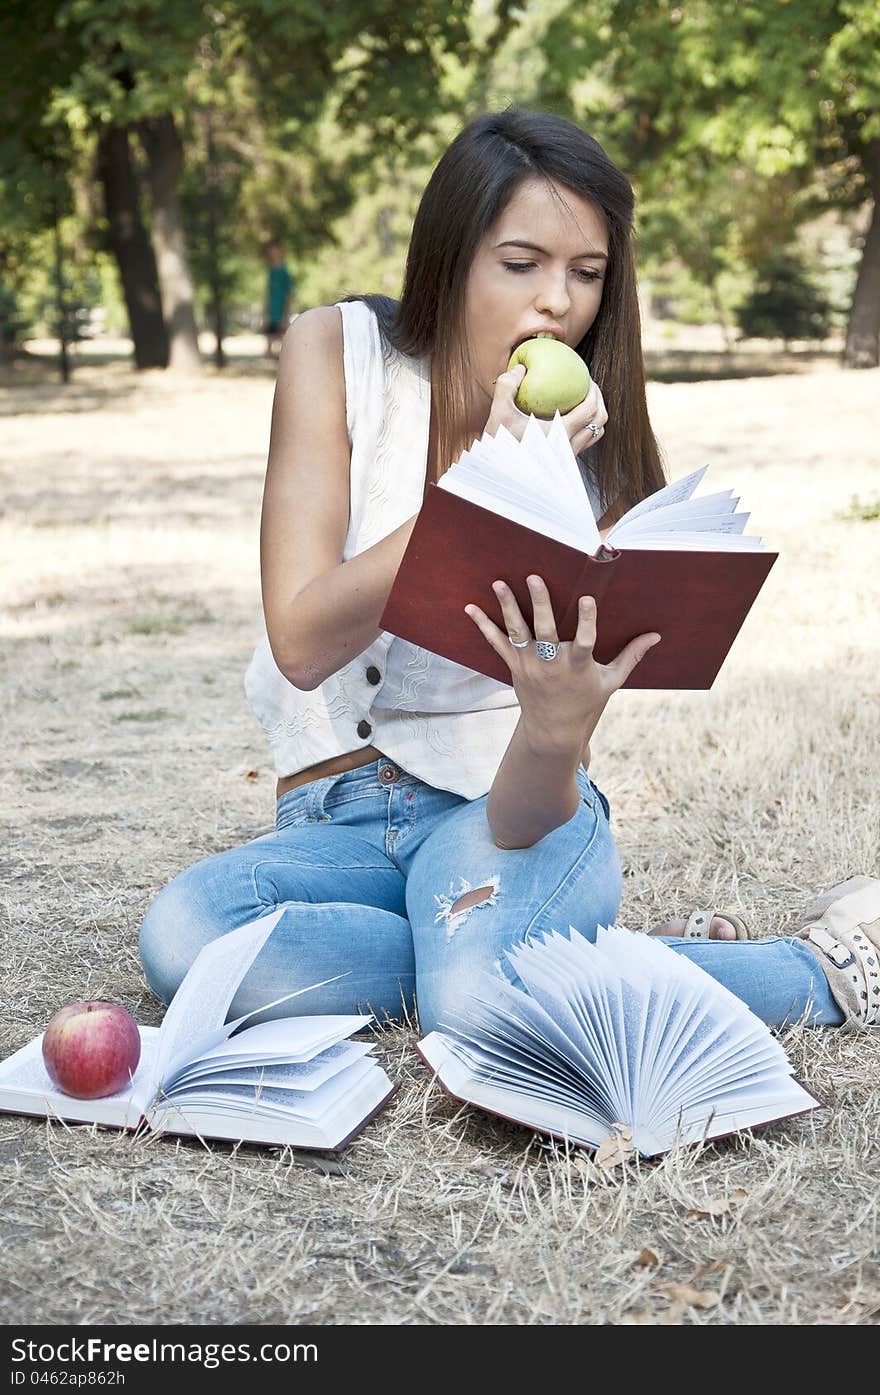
165,161
863,331
218,298
61,303
721,313
131,248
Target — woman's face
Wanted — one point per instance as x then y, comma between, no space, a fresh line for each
554,284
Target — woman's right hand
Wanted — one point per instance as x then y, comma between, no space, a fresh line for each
504,412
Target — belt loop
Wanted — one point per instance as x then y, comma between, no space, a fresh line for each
318,791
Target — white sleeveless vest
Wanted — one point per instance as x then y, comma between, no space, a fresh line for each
443,723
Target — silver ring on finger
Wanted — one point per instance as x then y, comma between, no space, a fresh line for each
519,643
596,430
546,649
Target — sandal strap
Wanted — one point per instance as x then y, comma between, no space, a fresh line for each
846,942
699,921
698,924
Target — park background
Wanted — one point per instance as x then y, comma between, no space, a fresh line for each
148,154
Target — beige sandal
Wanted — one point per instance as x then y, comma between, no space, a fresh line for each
698,924
842,928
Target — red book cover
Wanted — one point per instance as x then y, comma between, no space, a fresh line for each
697,601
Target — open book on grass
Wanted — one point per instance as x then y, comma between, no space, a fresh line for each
677,564
293,1080
620,1032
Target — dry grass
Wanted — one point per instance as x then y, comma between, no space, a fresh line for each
130,576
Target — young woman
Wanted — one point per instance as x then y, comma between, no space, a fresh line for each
428,818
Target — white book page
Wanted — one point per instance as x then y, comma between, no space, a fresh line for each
514,1053
585,1044
521,1040
693,1048
693,1126
685,1015
664,1042
768,1097
26,1087
711,1039
710,541
712,518
270,1100
282,1075
195,1020
694,523
515,1034
501,499
541,467
573,1024
706,1101
672,515
525,1081
277,1127
290,1039
673,989
535,482
196,1015
674,493
595,1017
579,1126
500,493
609,1012
736,1060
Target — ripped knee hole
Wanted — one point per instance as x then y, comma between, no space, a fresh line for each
472,898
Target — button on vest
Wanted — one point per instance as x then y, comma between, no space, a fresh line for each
373,675
364,728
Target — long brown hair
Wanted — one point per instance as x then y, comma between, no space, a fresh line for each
467,192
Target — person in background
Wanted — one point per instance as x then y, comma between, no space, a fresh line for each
279,292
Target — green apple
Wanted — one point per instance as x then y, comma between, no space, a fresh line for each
556,380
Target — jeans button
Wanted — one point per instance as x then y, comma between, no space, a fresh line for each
388,774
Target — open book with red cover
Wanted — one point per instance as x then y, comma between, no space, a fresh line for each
678,565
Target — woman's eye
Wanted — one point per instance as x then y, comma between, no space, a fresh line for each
583,273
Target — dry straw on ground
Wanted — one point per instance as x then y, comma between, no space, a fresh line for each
130,583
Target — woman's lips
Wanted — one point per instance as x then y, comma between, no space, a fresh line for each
537,334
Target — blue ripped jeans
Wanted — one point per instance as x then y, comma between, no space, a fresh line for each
371,865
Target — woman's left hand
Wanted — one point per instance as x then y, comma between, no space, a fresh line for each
561,698
586,422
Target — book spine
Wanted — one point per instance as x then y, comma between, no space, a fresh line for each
594,580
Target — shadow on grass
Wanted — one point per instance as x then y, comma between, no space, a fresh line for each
695,366
32,382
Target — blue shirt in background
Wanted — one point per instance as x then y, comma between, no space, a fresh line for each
280,287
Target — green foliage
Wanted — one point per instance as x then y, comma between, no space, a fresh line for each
861,510
301,98
13,323
738,122
771,87
784,303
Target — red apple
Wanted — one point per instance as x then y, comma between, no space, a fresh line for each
91,1049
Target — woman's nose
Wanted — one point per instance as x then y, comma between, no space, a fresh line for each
553,297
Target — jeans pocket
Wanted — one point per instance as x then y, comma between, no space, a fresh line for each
290,809
603,801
